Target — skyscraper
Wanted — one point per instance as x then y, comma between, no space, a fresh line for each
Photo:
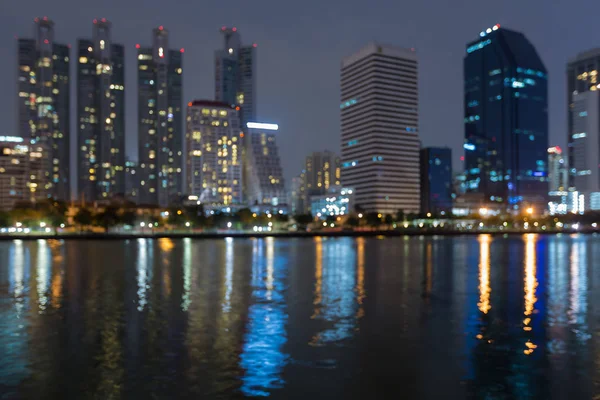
44,102
436,180
263,166
506,119
379,122
214,156
582,77
160,131
100,115
235,74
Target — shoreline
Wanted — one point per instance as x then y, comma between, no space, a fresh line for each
290,235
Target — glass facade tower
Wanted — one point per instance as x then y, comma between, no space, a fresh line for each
100,115
506,119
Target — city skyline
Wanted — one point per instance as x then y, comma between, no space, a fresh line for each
437,112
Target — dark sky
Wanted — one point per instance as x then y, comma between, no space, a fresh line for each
300,45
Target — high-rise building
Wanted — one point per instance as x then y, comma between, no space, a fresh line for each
582,77
436,180
23,171
557,170
44,101
235,74
379,123
506,119
160,129
263,166
214,155
100,115
585,148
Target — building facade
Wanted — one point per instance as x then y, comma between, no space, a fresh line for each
23,171
160,127
557,171
506,119
265,183
100,115
296,198
235,74
44,101
214,155
379,128
582,77
132,182
321,171
584,148
436,180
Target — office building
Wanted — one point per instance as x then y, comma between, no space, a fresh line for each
379,128
436,180
214,157
100,115
506,119
23,171
582,77
263,166
235,74
160,129
44,101
584,148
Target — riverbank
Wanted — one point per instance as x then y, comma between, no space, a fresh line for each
237,234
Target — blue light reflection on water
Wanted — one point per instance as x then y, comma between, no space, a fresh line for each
14,323
262,357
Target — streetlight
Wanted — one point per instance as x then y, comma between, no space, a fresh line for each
529,210
360,215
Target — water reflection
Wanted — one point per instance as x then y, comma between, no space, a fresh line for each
579,288
187,274
262,357
484,274
530,287
489,317
338,293
43,273
144,270
226,306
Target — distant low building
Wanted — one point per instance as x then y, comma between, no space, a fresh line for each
23,172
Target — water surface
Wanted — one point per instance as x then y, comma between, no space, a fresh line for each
476,317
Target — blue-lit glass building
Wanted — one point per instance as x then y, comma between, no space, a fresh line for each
506,119
436,180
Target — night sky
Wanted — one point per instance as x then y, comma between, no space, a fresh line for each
300,46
